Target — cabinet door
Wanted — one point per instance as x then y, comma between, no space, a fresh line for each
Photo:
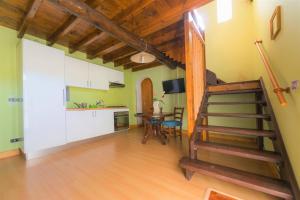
115,76
98,77
43,93
77,72
104,122
80,125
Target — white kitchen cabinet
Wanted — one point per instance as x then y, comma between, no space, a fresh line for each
115,76
89,123
77,72
98,77
104,122
44,96
80,125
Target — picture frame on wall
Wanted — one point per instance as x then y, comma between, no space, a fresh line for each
275,23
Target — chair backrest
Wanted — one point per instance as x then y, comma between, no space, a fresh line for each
178,114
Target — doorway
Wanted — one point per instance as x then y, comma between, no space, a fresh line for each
147,95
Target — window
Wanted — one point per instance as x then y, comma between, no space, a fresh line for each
224,9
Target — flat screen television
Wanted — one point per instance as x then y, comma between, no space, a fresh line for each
174,86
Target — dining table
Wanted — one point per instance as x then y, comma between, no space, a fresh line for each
152,123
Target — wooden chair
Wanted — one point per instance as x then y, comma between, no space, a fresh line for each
169,125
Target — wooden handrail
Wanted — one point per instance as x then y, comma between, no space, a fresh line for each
277,89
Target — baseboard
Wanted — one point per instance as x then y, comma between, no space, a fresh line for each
9,154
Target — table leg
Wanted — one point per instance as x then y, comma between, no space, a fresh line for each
148,133
160,134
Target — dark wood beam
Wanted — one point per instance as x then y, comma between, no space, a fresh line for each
122,61
101,22
121,53
131,65
120,18
89,39
146,66
67,26
29,16
106,48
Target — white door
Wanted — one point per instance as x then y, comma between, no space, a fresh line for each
44,96
104,122
98,77
80,125
77,72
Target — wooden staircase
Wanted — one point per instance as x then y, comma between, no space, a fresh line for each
284,187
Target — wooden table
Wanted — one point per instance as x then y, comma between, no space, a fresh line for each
154,129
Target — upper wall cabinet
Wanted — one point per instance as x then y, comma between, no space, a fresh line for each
98,77
77,72
115,76
87,75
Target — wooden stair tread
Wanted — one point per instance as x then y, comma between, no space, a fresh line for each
239,152
236,103
234,92
240,131
260,183
235,86
239,115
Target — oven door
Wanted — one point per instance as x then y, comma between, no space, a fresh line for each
121,120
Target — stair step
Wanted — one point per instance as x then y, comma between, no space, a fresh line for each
234,92
253,181
236,103
236,86
239,152
238,115
240,131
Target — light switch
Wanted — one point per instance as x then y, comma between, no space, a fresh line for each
295,85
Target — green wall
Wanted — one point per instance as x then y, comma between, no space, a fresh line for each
10,113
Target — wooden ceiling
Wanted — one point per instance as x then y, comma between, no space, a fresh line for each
110,29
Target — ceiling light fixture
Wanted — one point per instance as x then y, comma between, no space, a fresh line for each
143,57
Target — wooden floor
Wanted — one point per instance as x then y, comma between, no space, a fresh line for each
116,167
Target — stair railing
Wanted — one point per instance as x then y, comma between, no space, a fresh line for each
277,89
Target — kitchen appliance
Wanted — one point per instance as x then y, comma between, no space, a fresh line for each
116,85
121,120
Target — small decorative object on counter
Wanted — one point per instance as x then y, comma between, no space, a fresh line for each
158,104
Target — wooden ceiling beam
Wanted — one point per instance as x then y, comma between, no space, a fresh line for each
122,61
121,53
89,39
29,16
106,48
101,22
119,19
146,66
67,26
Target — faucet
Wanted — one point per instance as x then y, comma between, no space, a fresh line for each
99,103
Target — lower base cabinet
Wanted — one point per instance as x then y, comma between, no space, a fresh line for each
88,123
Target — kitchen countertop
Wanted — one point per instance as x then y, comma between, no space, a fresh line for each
104,108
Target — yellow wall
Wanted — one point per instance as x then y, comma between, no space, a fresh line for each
284,56
229,45
232,55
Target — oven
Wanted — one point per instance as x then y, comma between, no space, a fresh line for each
121,120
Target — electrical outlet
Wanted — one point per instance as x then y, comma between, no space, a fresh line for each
294,85
15,100
14,140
